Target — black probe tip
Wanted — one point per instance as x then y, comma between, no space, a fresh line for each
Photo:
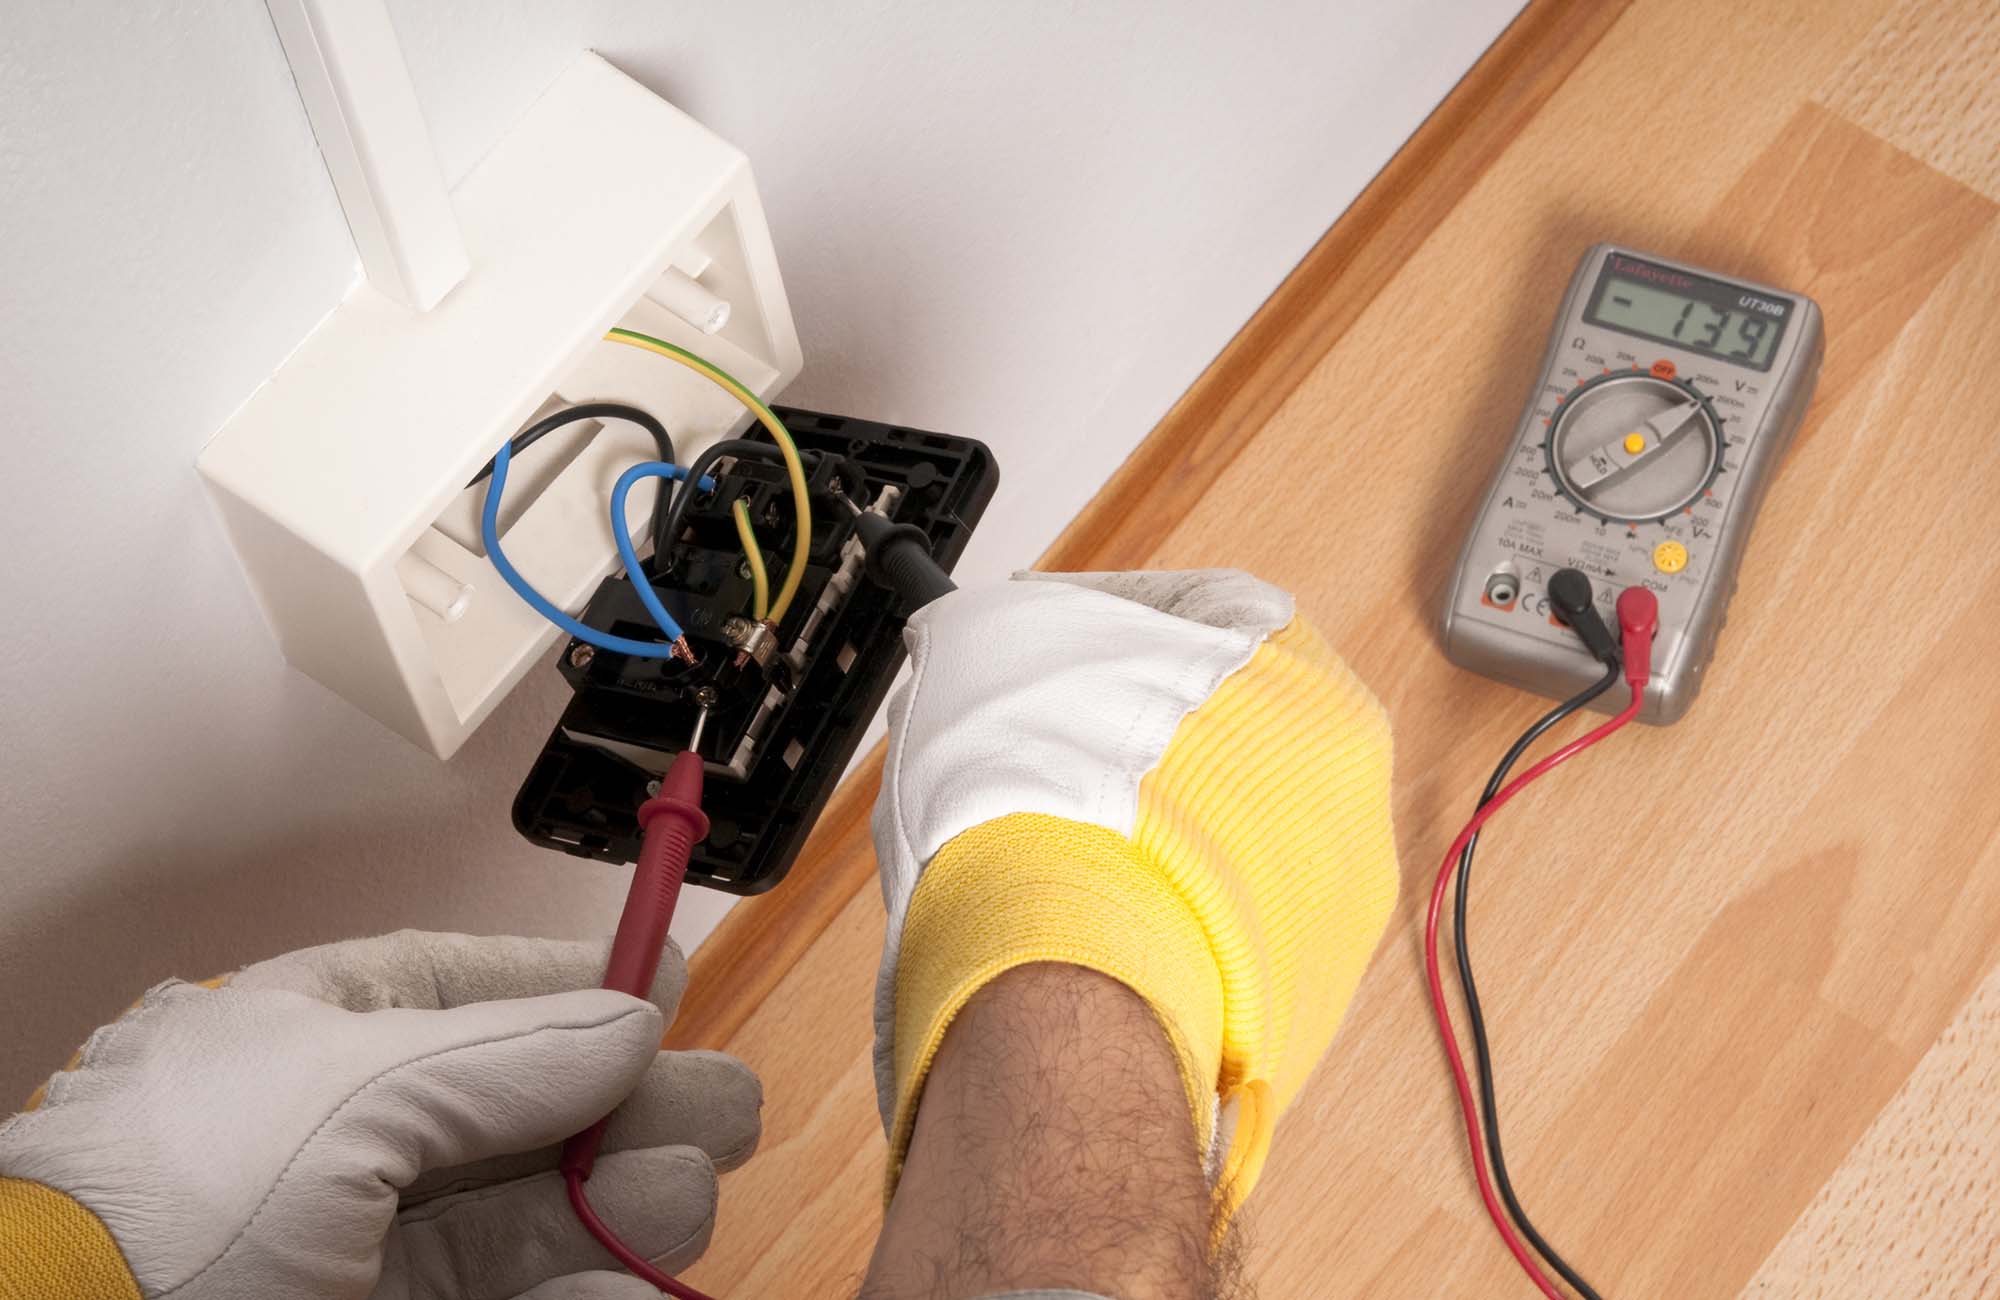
899,558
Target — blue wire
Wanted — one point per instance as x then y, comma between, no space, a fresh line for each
647,596
489,532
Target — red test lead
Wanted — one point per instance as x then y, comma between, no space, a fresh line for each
1638,623
673,823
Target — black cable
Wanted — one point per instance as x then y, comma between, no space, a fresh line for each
668,525
1477,1018
547,425
542,428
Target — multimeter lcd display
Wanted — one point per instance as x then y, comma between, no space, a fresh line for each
1656,302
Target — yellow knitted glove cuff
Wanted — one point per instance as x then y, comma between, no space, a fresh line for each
52,1248
1032,888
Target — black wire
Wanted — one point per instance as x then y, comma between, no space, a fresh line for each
542,428
668,525
1477,1017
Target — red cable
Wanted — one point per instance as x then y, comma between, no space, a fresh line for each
672,823
630,1258
1638,617
1443,1014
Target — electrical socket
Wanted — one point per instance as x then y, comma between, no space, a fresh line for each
342,481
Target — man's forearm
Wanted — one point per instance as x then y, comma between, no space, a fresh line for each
1053,1148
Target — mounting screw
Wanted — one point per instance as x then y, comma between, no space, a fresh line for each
581,656
652,788
743,568
706,696
736,629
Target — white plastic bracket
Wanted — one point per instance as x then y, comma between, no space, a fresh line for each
343,480
356,89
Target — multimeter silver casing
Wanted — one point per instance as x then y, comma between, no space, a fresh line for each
1531,524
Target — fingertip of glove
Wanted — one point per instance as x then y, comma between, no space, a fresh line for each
594,1286
737,1098
668,1195
693,1098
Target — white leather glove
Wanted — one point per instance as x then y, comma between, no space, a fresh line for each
372,1120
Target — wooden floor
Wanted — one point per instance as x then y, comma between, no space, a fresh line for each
1747,1006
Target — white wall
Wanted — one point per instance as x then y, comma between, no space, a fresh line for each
1032,223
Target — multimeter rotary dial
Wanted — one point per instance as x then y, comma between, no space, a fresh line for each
1634,445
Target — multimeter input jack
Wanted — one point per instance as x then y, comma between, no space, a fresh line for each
1504,587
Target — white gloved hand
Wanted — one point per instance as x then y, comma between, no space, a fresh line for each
372,1120
1167,778
1052,693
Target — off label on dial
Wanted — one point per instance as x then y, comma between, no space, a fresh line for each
1634,446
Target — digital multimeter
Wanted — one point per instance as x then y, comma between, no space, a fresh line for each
1666,396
